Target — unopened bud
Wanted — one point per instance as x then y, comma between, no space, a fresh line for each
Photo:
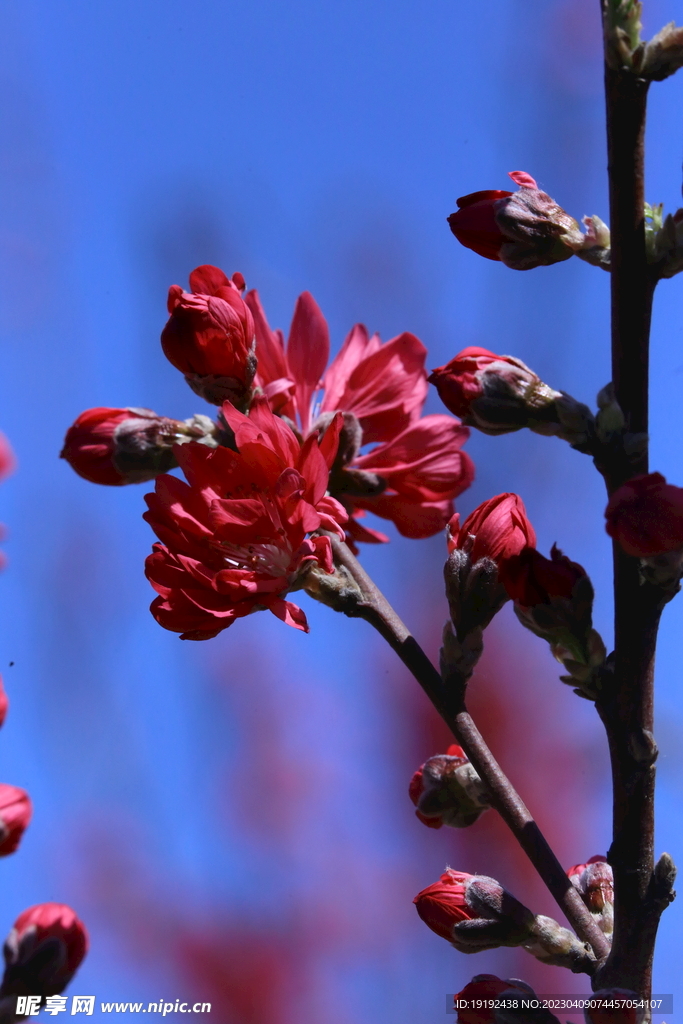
622,33
210,337
539,232
446,790
645,517
595,883
483,1001
615,1006
553,597
126,446
663,54
499,394
43,951
474,912
15,815
473,592
596,248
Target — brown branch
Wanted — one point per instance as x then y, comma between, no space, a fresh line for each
376,610
626,707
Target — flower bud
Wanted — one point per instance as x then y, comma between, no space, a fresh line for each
612,1009
129,446
15,815
524,229
43,951
645,516
474,912
595,883
663,54
499,394
487,988
553,597
446,790
210,337
497,529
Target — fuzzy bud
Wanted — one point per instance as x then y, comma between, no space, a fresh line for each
487,989
663,54
499,394
129,446
556,946
474,912
524,229
615,1008
43,951
595,882
446,790
553,597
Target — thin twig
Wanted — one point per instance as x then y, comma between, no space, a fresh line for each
376,610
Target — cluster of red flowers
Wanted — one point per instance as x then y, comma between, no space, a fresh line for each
299,447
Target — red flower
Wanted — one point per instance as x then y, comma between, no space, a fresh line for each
645,516
417,466
531,579
126,446
210,335
444,903
497,529
474,223
15,815
235,539
43,951
485,988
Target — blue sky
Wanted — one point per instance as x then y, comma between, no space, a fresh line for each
313,146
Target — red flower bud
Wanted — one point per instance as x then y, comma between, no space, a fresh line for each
446,790
15,815
210,336
645,516
617,1013
126,446
43,951
523,229
486,988
595,882
474,912
444,903
497,529
531,579
474,223
495,393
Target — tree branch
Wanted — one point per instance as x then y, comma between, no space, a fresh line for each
626,707
376,610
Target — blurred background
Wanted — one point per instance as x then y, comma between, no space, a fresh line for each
231,818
